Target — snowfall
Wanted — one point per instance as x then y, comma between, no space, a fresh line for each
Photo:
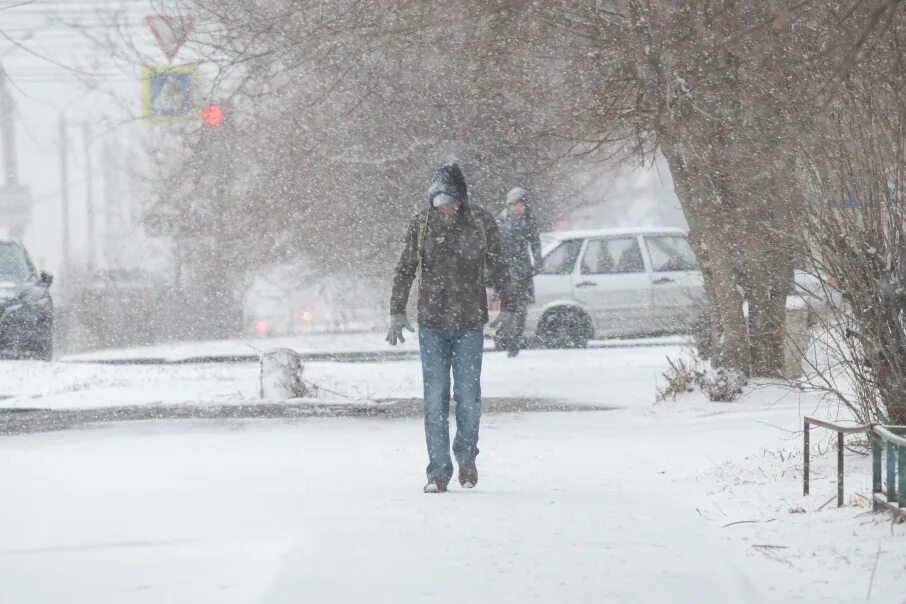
590,490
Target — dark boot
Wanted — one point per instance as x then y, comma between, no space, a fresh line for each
436,485
468,475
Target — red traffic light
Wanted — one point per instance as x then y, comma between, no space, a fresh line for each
212,115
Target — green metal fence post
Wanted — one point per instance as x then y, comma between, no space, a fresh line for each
839,469
876,484
891,472
901,477
805,456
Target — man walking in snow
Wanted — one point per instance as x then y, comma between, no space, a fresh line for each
518,236
448,245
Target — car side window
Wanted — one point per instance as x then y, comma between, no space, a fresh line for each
617,255
562,259
670,253
14,263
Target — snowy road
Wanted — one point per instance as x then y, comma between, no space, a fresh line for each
331,511
683,501
617,506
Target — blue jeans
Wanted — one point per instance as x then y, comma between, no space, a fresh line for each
441,351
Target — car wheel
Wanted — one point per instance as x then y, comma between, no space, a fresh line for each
565,328
44,350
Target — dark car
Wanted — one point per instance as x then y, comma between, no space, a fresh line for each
26,310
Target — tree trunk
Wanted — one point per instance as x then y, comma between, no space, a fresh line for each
767,314
767,258
715,249
739,196
733,349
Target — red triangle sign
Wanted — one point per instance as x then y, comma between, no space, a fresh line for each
170,31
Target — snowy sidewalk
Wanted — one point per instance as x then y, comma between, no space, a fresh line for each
332,512
556,518
679,503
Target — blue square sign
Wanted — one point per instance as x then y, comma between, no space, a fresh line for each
170,92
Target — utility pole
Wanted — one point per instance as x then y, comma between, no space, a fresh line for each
111,190
64,189
8,134
89,194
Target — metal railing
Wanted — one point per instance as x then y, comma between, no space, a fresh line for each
841,430
888,442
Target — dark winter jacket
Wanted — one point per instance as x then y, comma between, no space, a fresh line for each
452,258
518,235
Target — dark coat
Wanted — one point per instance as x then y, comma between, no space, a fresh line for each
451,291
518,236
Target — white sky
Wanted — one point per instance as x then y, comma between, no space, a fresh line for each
54,53
59,59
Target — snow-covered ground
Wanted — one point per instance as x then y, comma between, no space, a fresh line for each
310,343
568,375
679,501
313,344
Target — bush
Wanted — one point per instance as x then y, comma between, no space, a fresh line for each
680,377
685,374
722,385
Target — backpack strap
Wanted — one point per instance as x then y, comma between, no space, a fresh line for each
420,244
420,238
483,231
420,249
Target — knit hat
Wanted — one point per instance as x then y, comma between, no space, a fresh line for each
516,194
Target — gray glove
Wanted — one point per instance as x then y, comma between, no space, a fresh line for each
397,324
505,323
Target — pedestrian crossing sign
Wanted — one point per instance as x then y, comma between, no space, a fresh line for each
169,92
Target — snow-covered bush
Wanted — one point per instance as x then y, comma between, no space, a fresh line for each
688,373
721,385
680,377
281,375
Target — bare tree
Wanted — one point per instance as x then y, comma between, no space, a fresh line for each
854,161
344,107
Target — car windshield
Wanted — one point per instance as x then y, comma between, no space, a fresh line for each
670,253
14,264
562,259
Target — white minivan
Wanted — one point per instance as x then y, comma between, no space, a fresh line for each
628,282
614,282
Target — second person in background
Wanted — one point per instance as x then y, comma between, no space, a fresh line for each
522,249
